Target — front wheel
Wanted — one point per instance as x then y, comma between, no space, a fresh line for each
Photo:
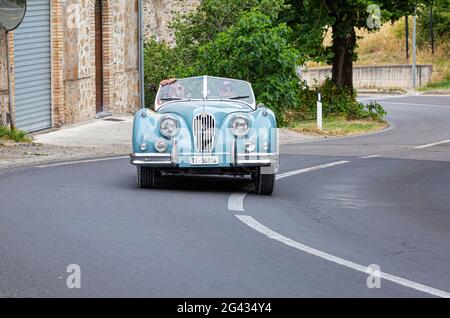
145,177
264,183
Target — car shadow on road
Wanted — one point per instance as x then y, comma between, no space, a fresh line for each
202,183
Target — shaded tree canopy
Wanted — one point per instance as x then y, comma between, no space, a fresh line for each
310,20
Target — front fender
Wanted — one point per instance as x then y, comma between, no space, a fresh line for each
263,131
146,131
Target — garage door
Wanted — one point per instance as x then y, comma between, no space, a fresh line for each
32,62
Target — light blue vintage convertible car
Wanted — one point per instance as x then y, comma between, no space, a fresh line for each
206,125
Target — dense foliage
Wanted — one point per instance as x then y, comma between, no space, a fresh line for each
336,101
261,41
441,21
256,50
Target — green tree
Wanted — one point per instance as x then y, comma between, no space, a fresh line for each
312,17
212,17
441,20
160,62
257,50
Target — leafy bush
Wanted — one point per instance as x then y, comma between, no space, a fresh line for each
256,50
212,17
16,134
245,39
193,32
159,64
441,21
336,101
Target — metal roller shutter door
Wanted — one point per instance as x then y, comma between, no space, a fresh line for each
32,63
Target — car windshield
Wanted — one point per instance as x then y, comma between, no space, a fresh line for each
217,88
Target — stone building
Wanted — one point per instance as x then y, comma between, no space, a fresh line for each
159,13
71,60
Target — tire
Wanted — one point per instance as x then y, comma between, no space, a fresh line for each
264,183
145,177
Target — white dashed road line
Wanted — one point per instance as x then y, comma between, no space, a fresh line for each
295,172
369,157
432,144
422,105
236,203
251,222
236,200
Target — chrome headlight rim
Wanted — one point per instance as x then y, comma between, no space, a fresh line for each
233,129
175,130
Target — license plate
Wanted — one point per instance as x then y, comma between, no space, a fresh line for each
205,160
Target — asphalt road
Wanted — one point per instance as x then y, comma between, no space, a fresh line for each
385,202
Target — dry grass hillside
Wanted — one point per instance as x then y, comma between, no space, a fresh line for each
388,47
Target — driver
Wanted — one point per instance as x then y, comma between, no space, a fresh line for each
226,90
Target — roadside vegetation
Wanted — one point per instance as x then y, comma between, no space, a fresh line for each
387,45
15,135
334,126
264,41
437,85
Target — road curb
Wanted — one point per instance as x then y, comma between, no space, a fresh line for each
390,127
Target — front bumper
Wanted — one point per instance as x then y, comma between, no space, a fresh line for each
239,160
234,159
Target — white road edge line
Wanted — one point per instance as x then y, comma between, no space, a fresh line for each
432,144
295,172
236,200
411,104
67,163
369,157
251,222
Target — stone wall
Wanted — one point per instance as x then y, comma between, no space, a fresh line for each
3,81
120,58
159,13
377,76
124,53
4,91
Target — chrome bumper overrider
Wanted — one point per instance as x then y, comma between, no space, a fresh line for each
152,160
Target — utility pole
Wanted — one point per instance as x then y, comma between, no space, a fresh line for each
414,49
141,54
431,29
10,96
407,38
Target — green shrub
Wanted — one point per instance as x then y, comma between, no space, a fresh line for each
16,134
244,39
159,64
441,21
257,50
336,101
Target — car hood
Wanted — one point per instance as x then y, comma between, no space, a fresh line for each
219,109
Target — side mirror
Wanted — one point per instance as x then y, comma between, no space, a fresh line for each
260,105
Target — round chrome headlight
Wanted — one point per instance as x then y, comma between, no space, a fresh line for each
169,127
240,125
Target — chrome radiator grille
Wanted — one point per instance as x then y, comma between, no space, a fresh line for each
204,131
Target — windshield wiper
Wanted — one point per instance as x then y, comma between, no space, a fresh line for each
170,98
239,97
